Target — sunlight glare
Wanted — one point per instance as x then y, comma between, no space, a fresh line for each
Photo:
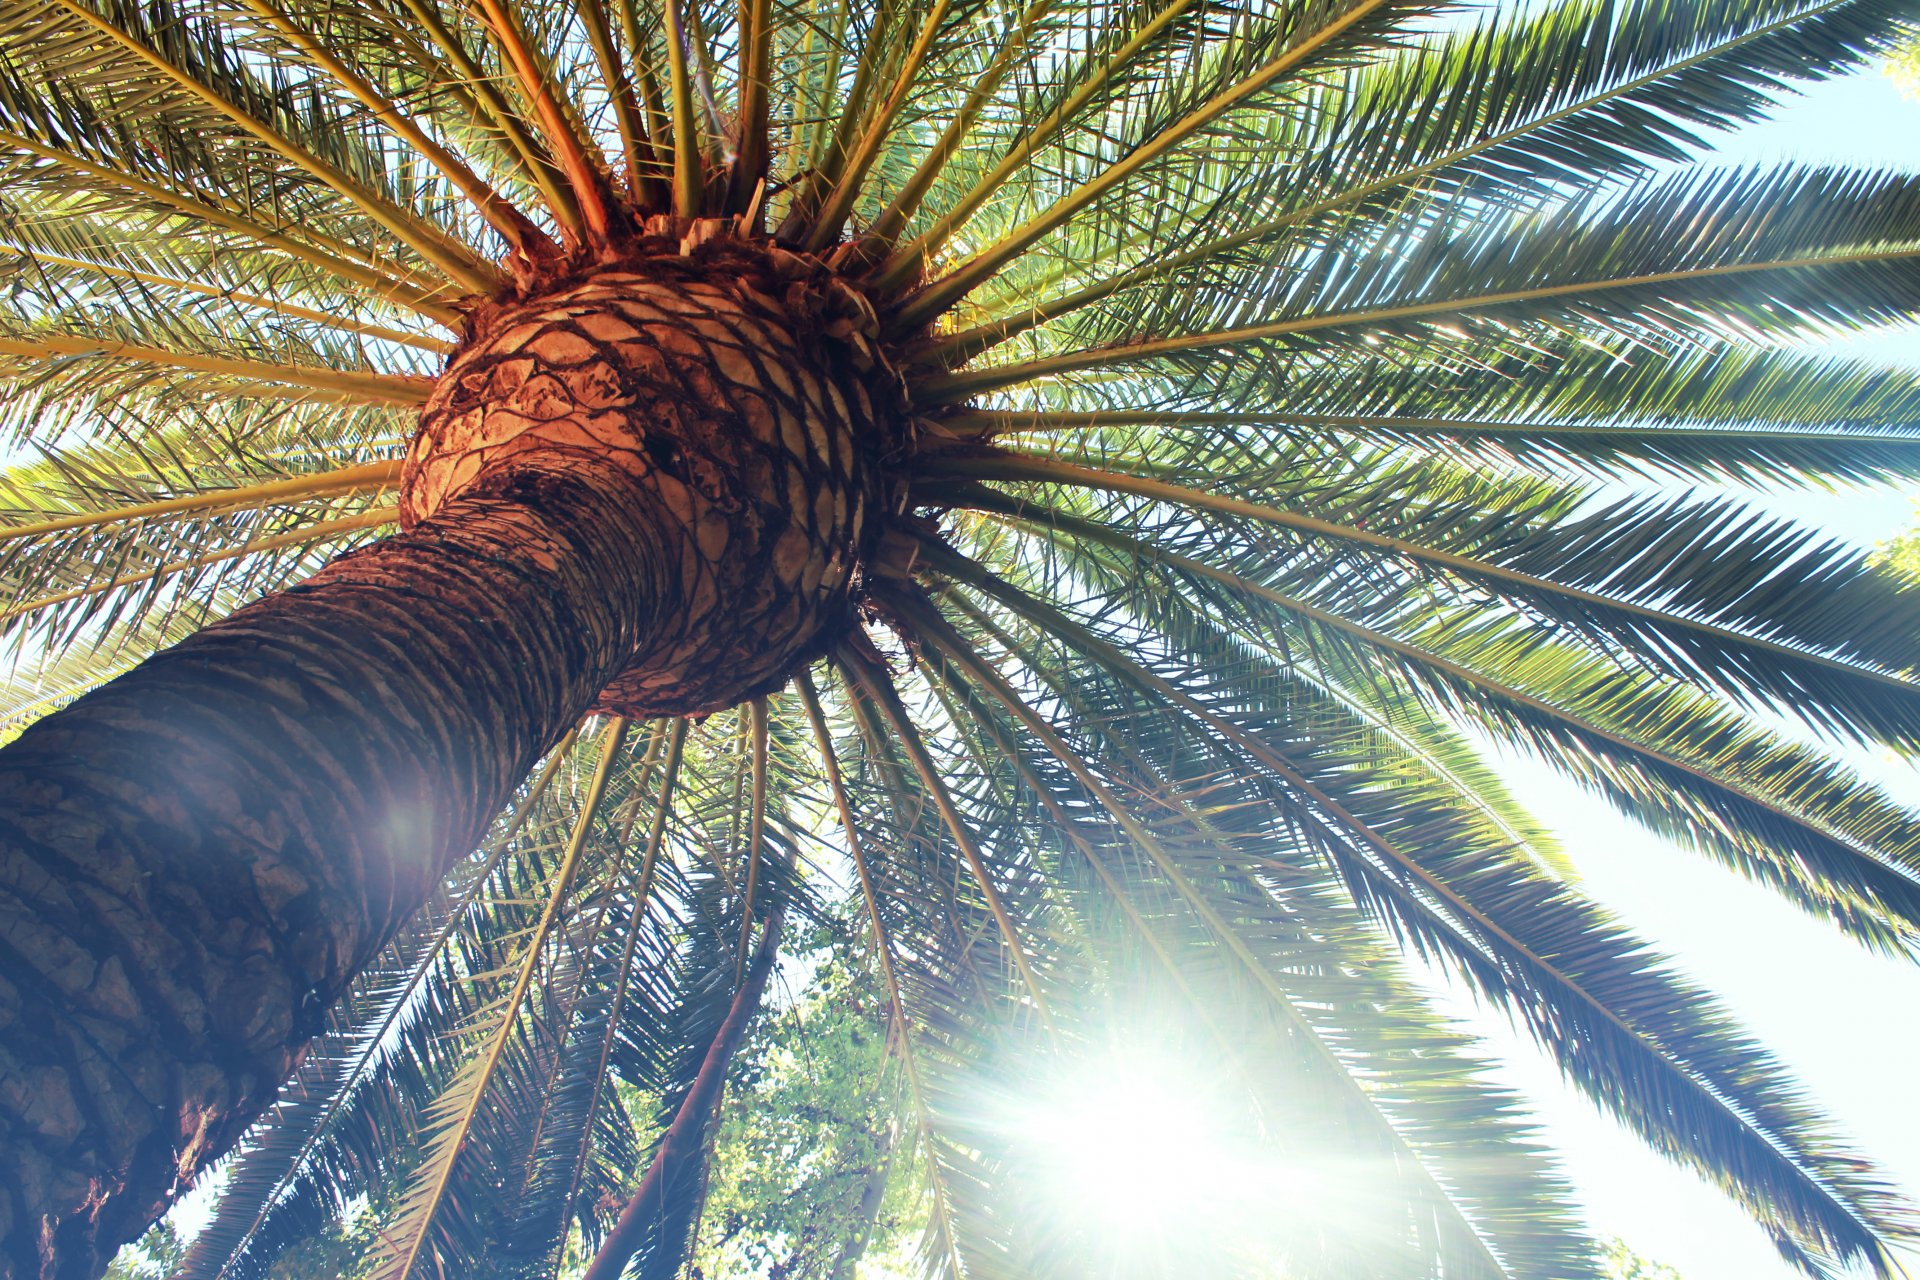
1135,1144
1136,1147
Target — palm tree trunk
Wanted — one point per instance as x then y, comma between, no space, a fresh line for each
609,505
660,1209
196,859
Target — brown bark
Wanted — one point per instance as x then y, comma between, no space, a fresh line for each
647,491
196,858
651,1211
765,405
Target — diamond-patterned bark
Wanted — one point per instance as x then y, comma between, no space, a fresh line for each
736,393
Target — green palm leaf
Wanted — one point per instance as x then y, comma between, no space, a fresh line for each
1066,484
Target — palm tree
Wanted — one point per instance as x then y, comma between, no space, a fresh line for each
1081,469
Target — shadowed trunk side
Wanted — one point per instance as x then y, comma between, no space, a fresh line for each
195,859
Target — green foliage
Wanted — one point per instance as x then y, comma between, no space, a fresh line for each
155,1255
340,1250
1288,379
1624,1264
1901,554
810,1170
1903,64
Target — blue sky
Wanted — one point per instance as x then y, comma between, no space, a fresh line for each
1846,1022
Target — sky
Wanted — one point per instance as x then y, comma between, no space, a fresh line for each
1847,1023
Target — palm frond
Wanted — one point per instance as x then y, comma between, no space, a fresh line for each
1466,1241
1716,412
1263,59
1522,106
1695,624
1520,927
1679,256
1290,397
452,1116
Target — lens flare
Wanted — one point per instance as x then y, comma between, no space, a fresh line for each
1146,1166
1134,1146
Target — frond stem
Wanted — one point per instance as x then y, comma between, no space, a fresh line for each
954,387
366,475
636,926
628,115
319,531
689,155
972,342
1048,470
749,168
492,104
878,685
360,388
943,293
1465,920
1054,620
449,1141
956,650
382,333
453,259
756,826
500,213
987,424
589,184
335,258
909,260
816,717
838,143
883,949
832,217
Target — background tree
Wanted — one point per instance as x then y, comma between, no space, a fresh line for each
1069,469
1624,1264
1903,64
156,1254
810,1168
1901,554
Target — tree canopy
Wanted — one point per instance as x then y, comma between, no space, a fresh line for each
1191,427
